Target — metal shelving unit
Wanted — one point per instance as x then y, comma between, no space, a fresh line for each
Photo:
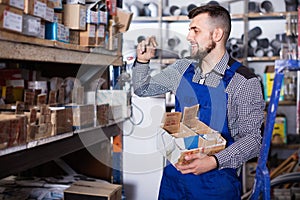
34,153
19,48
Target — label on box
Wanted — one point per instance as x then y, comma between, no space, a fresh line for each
17,4
82,17
39,9
12,21
49,14
268,83
280,129
57,4
101,31
34,26
42,32
92,31
103,17
75,1
92,17
63,33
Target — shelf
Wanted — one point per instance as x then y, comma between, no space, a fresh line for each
180,18
262,59
184,18
284,103
19,47
20,158
145,19
286,146
272,15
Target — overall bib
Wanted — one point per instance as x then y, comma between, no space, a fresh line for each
215,184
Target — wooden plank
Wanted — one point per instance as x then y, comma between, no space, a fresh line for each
19,47
28,52
15,37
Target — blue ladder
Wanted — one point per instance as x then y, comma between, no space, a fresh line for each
262,176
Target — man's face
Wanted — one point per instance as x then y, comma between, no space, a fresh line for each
200,37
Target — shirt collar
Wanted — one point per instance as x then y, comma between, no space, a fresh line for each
221,66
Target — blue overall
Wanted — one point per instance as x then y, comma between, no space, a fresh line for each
215,184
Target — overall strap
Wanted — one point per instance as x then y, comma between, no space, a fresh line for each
229,73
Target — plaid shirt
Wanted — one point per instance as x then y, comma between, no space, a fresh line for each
244,108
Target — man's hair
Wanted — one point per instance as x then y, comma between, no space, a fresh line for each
219,15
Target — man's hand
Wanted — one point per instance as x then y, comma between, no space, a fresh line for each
199,163
146,49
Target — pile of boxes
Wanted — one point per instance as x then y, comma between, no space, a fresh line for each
51,107
183,135
87,24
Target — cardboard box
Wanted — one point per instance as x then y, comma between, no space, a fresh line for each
93,191
88,37
100,35
15,74
74,37
49,14
14,3
58,17
42,30
11,18
124,19
268,80
75,2
83,115
31,25
75,16
187,138
103,17
35,8
56,4
279,134
92,13
56,31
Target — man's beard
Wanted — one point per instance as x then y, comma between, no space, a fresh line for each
200,54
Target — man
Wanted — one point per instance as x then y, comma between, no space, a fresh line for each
230,99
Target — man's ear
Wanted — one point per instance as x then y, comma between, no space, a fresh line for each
218,34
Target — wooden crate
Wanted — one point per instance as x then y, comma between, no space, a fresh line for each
89,190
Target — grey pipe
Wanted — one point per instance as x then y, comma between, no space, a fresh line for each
186,9
266,6
256,52
269,52
173,42
291,5
276,45
253,6
255,43
253,33
171,11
